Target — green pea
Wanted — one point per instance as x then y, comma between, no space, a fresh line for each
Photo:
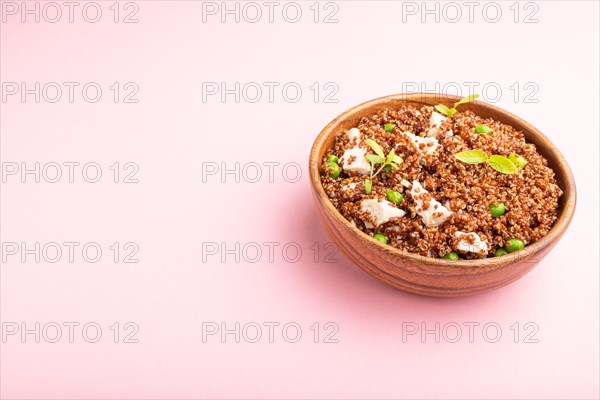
513,245
451,256
500,252
497,209
394,197
387,169
388,127
379,237
335,169
332,158
519,161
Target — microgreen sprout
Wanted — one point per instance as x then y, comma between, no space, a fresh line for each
518,160
448,112
379,157
499,163
483,129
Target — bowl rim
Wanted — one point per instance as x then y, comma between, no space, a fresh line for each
483,264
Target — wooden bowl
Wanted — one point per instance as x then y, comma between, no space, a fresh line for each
426,275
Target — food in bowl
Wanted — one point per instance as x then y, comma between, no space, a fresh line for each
441,183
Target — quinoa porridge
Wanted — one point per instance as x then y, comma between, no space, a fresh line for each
439,182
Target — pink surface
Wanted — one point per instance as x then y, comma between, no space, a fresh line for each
179,220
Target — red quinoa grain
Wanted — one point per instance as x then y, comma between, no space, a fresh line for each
530,196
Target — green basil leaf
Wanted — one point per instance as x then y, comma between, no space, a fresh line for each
374,159
376,147
466,100
484,129
368,186
472,156
443,109
390,156
502,164
398,160
518,160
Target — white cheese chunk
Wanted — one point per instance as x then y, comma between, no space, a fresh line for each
435,207
417,140
379,212
479,246
349,190
435,121
360,163
353,133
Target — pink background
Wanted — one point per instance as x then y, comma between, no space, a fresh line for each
369,53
